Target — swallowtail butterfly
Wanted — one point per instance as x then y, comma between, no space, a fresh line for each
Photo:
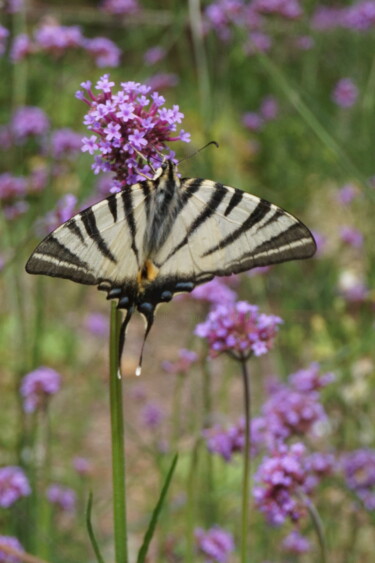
164,236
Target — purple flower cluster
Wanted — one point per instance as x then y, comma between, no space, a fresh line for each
229,441
63,497
37,386
13,543
268,111
345,93
289,9
215,292
65,143
12,191
82,466
13,485
152,415
214,544
65,208
347,193
126,124
154,55
97,324
358,17
163,81
296,543
294,409
239,329
120,7
28,121
351,236
56,40
186,358
359,471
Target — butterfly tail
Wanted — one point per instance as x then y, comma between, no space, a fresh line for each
148,313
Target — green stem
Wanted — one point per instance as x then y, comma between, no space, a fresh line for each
117,437
246,466
191,504
318,526
196,25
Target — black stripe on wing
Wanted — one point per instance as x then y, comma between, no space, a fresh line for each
89,222
127,200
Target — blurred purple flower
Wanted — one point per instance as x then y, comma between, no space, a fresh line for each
3,39
227,442
326,18
304,42
222,14
359,471
28,121
257,41
215,544
260,270
9,541
106,185
360,16
120,7
21,47
138,393
37,386
66,207
64,497
104,51
214,291
38,179
253,121
97,324
162,81
15,209
296,543
65,143
82,466
154,55
281,479
351,236
55,38
239,329
347,193
13,485
269,108
289,9
183,364
310,379
131,119
345,93
13,6
152,415
12,187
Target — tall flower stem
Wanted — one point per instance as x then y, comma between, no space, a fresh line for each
118,447
246,465
318,526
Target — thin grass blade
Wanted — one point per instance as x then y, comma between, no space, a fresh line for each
90,530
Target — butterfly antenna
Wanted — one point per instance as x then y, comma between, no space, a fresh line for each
199,150
124,326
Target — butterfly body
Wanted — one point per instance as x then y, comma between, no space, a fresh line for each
165,236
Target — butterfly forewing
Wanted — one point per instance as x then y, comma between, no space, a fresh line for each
104,242
222,230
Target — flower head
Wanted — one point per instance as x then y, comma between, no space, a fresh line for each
359,471
55,38
152,415
65,143
345,93
214,544
127,123
65,208
104,51
13,485
239,329
120,7
352,237
37,386
9,541
28,121
82,465
296,543
64,497
185,360
214,291
21,47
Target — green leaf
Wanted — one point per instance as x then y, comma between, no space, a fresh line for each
155,515
90,530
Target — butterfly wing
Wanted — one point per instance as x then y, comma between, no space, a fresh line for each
102,244
222,230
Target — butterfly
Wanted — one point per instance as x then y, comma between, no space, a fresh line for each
165,236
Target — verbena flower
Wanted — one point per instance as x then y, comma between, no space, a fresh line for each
289,9
310,378
222,15
296,543
13,6
360,16
56,39
65,143
152,415
3,39
215,544
269,108
345,93
154,55
12,187
214,291
326,18
9,541
120,7
37,386
228,441
163,81
347,193
131,121
97,324
359,471
186,358
63,497
104,51
239,329
22,46
13,485
253,121
65,208
281,479
82,465
28,121
351,236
